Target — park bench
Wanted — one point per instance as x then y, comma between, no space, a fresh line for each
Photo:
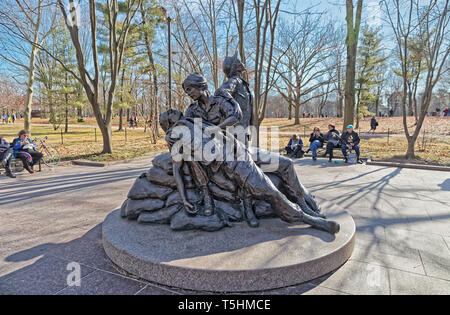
320,152
17,166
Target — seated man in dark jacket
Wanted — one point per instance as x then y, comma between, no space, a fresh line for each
333,139
6,153
350,141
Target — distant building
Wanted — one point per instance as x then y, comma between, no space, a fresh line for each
36,111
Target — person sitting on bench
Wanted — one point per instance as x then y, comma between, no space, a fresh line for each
25,150
295,147
6,153
332,138
350,141
316,141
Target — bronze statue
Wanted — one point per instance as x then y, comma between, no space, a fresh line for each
208,194
197,87
243,172
236,89
218,111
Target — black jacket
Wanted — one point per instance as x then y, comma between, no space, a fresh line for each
348,138
373,122
333,135
314,138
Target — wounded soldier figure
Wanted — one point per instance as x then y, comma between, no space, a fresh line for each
190,140
223,113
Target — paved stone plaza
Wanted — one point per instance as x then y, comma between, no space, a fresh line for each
53,218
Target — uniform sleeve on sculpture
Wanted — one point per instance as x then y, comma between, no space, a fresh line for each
231,109
188,112
227,89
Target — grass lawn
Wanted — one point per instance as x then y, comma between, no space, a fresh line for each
437,137
432,125
80,143
436,152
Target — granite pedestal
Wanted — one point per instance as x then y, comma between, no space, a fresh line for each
238,259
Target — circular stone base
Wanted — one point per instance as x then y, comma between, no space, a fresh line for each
238,259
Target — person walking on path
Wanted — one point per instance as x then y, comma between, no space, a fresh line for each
373,125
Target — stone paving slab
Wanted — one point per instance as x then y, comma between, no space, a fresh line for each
358,278
103,283
406,283
46,276
400,213
375,257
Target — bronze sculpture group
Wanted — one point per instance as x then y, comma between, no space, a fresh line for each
190,191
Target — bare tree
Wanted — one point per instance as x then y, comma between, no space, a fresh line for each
266,25
338,60
118,30
11,96
430,22
353,25
24,25
304,49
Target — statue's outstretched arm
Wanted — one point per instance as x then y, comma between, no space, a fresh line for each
180,186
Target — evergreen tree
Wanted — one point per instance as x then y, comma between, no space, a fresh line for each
370,60
60,92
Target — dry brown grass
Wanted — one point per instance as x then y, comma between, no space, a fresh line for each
437,151
80,142
432,125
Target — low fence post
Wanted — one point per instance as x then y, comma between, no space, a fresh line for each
423,140
126,138
389,131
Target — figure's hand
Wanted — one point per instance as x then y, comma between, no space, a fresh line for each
189,207
188,204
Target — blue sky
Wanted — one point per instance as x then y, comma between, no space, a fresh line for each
334,9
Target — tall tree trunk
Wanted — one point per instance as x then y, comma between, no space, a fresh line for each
30,90
155,103
377,102
106,130
120,119
358,100
66,126
122,83
340,104
66,98
240,27
352,45
410,101
297,112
